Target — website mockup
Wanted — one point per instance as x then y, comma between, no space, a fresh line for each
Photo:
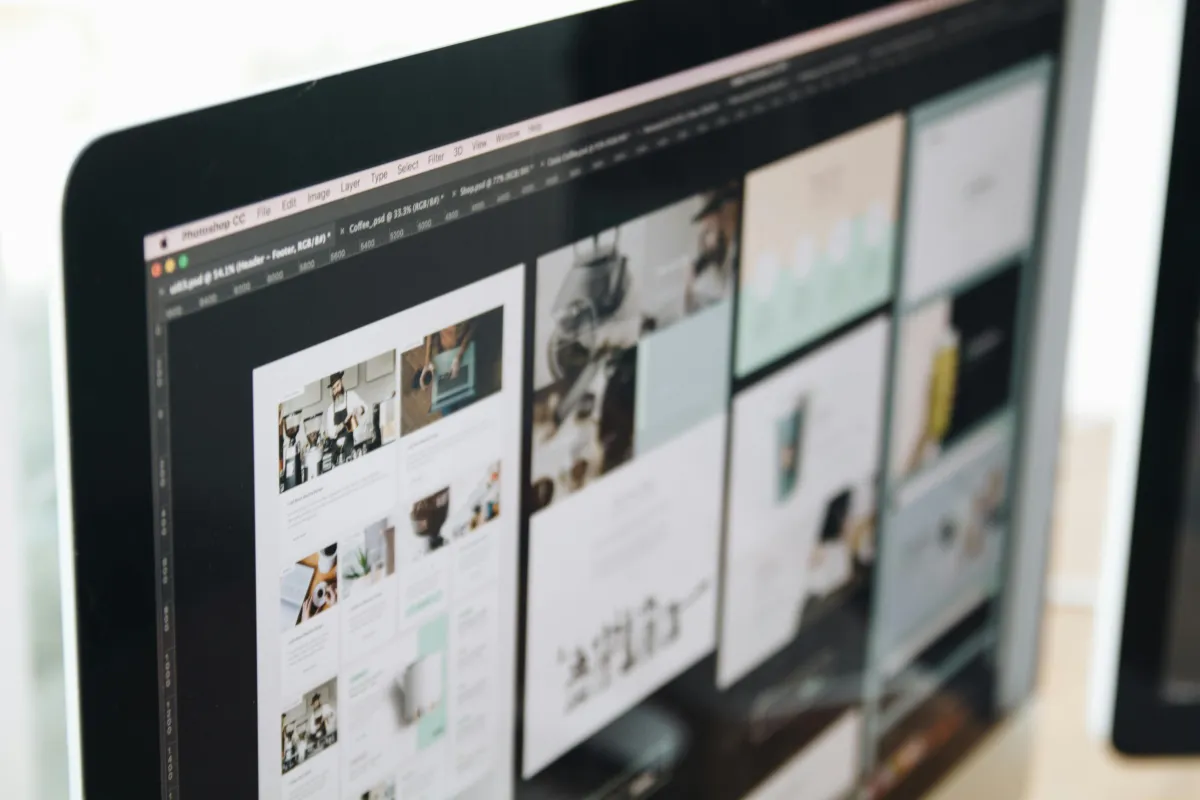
661,446
628,454
802,506
957,359
386,534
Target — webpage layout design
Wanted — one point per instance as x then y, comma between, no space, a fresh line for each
972,189
944,542
974,164
804,456
386,551
954,370
820,231
630,390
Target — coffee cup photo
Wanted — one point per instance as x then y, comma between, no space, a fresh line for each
320,595
419,687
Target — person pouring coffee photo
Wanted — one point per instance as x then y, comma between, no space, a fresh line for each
321,720
347,423
452,339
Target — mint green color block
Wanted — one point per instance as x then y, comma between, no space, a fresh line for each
682,376
796,308
434,637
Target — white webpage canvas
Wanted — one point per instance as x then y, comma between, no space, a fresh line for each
973,179
650,529
773,556
450,611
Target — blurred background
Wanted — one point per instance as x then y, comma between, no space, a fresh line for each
69,72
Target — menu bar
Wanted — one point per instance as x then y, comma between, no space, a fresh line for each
213,277
174,240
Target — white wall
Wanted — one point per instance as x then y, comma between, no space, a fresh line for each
1117,272
16,664
1118,252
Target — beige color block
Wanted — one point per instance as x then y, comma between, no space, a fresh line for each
811,193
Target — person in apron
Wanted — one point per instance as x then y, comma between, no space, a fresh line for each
289,453
321,722
291,464
712,270
282,475
346,423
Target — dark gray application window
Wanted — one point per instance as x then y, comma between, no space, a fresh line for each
1182,679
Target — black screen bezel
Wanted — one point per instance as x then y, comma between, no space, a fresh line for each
1144,721
172,171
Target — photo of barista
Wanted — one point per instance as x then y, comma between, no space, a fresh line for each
597,302
309,587
368,557
309,727
455,512
451,369
337,419
956,364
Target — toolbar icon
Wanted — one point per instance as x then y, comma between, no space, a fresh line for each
155,269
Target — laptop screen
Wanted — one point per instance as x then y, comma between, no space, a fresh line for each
658,445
